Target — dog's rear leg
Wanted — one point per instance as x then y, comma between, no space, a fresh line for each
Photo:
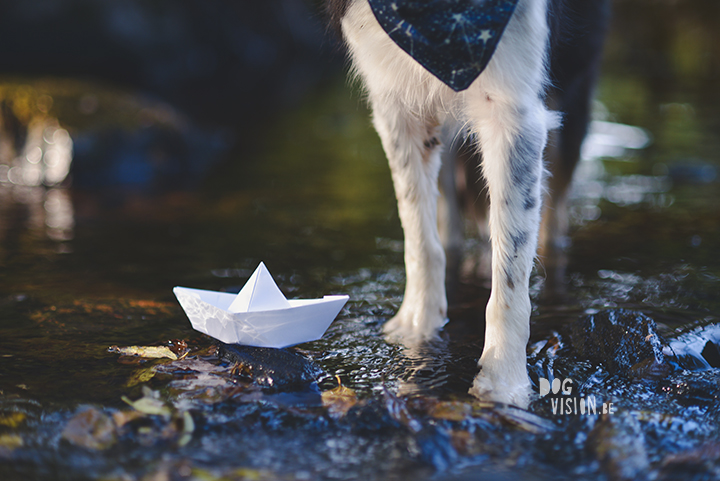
512,139
412,147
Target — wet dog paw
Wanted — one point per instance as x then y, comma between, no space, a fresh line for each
491,387
414,326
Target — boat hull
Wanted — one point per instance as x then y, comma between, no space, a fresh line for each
304,320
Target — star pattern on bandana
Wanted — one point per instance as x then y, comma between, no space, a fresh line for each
453,39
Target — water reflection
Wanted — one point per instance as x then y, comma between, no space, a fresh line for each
592,183
40,209
45,158
611,139
36,154
59,214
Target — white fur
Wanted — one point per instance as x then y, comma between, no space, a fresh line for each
502,106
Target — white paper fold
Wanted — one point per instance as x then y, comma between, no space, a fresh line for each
259,315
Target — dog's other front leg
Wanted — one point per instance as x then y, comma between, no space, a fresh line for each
512,140
405,101
412,146
506,114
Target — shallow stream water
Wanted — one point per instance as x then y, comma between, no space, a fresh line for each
112,199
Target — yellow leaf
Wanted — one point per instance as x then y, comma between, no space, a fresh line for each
451,410
149,405
247,474
188,428
148,352
339,400
10,441
12,420
140,376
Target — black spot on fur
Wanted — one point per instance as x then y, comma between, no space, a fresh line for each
523,164
519,240
524,158
529,200
432,142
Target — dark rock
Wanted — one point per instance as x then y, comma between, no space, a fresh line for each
711,353
270,368
371,418
694,389
625,342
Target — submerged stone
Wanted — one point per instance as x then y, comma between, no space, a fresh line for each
626,342
269,367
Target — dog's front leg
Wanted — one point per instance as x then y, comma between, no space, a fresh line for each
512,138
412,147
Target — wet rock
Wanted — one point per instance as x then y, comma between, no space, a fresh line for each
372,418
619,445
694,389
270,368
624,341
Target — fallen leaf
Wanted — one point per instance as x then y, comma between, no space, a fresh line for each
247,474
147,352
141,376
12,420
451,411
339,400
91,429
188,429
10,441
149,404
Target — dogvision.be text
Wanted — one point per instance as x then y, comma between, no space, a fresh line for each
565,403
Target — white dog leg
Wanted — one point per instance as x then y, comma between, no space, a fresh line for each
405,100
512,141
510,121
412,147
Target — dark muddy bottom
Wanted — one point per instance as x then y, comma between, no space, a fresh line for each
625,362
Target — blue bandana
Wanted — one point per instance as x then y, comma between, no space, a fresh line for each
452,39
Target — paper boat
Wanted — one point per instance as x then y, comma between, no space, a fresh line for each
259,315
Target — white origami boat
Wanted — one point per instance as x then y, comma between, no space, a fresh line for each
259,315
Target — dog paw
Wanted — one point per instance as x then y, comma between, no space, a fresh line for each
489,387
411,327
